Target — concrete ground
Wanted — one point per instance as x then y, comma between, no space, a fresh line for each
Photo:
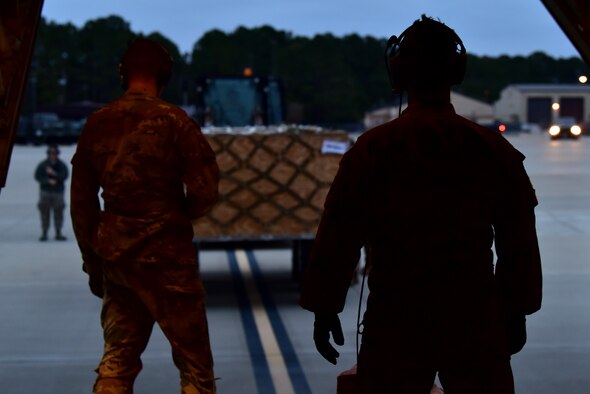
50,337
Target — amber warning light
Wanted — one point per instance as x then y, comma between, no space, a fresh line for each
502,128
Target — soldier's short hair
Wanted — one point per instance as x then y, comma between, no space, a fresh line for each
146,58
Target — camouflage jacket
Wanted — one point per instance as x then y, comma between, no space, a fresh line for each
157,174
430,193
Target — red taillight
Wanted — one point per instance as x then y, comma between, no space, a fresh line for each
502,128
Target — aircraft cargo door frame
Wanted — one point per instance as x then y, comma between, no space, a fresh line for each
18,29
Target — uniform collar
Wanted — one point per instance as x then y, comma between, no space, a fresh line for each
419,107
138,93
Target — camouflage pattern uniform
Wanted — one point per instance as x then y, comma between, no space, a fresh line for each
51,193
430,193
157,173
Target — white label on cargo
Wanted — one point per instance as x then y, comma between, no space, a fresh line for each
331,146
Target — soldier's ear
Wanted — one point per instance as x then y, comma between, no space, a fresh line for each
123,79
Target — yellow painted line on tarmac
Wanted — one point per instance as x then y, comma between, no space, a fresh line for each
278,370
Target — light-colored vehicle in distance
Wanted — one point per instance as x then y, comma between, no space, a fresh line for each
565,127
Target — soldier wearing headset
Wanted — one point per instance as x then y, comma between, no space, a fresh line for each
157,174
431,193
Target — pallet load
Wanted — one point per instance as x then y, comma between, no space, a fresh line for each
273,183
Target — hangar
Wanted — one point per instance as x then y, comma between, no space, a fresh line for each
541,104
468,107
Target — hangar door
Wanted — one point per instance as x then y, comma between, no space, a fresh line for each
539,110
572,107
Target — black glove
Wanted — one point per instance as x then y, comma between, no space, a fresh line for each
96,284
323,325
93,267
516,333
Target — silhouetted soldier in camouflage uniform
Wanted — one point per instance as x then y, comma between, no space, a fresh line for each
51,174
157,173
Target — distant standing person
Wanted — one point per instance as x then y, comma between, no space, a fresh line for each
157,174
51,174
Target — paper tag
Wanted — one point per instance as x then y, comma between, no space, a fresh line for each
337,147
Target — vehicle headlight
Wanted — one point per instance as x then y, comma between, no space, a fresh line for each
576,130
554,130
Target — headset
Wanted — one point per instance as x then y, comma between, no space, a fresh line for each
143,52
426,53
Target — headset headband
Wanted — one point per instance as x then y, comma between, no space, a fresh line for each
401,74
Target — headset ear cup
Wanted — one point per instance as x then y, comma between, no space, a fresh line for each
399,73
396,68
458,67
457,62
394,72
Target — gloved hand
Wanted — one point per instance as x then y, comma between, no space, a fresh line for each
516,333
95,283
95,274
323,325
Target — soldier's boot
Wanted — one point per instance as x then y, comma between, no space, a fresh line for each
112,386
59,236
203,387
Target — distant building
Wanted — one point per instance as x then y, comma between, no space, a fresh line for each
541,104
381,115
468,107
473,109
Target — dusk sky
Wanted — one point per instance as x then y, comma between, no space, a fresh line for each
487,27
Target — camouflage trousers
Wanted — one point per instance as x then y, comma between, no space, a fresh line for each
135,297
51,201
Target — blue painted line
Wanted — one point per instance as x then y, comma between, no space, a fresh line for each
300,384
257,356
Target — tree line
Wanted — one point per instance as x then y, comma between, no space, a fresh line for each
334,80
